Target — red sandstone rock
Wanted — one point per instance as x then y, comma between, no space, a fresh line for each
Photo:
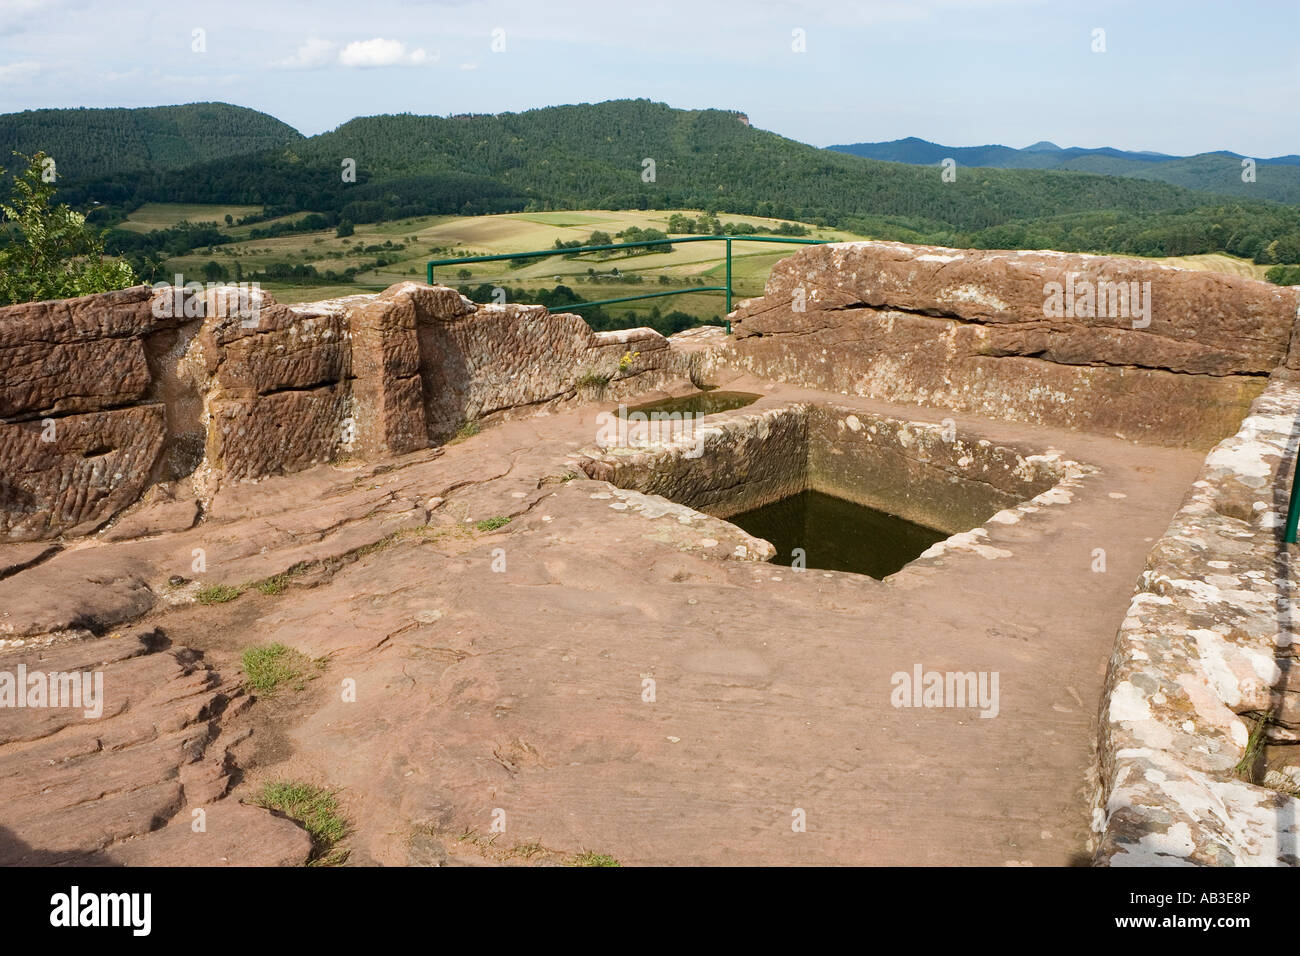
95,465
1201,322
968,330
73,785
276,433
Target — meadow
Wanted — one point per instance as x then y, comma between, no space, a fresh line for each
406,245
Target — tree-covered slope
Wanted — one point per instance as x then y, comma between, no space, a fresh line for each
594,155
601,156
96,142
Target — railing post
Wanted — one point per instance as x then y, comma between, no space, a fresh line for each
728,321
1293,510
428,274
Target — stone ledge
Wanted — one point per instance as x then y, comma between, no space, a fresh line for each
1212,618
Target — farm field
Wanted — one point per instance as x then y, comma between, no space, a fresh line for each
406,245
160,215
1218,262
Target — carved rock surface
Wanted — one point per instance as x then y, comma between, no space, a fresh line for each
96,464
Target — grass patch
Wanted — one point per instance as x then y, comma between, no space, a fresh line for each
491,524
277,583
318,812
589,858
468,430
217,594
593,380
270,666
274,585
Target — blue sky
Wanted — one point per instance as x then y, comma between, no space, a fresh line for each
1175,77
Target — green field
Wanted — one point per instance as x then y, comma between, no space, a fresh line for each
163,215
435,237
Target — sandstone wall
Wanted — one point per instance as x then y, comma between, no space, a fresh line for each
737,462
103,396
80,430
975,331
1209,640
918,472
755,456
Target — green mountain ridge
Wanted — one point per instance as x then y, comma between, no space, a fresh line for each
629,154
95,142
1277,178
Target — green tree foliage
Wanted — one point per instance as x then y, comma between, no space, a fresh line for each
97,142
49,252
590,156
1283,275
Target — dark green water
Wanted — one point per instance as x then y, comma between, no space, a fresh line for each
701,403
837,535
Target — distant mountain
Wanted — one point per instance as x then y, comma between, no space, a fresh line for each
1276,179
98,142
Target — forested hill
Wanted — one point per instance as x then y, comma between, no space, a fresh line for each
594,155
603,155
96,142
1276,178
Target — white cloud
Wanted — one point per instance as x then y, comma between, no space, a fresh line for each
315,52
381,52
22,70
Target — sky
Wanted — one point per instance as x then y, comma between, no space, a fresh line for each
1175,77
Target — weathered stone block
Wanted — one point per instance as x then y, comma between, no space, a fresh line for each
285,349
44,378
970,331
1202,322
275,434
96,464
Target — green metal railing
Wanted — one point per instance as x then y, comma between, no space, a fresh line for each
579,250
1293,509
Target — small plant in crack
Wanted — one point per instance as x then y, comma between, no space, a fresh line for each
491,524
1246,768
217,594
591,858
468,430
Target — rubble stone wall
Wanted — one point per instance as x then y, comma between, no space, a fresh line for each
1206,650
